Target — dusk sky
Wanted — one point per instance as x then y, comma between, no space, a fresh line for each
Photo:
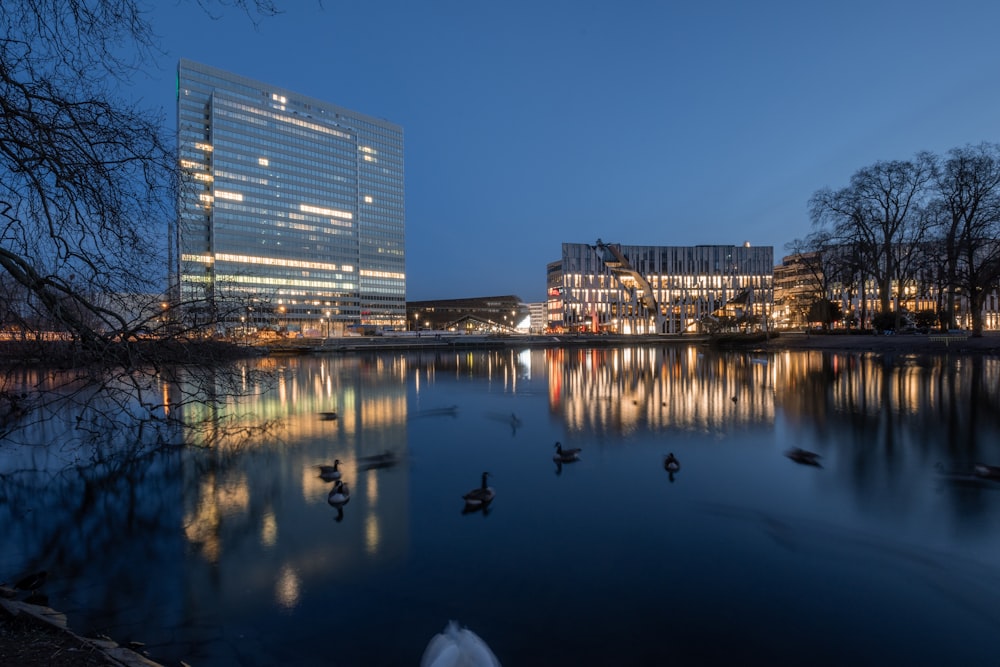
532,123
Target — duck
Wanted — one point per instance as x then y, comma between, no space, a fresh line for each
339,495
670,463
458,647
480,496
566,455
386,459
328,416
330,473
804,457
986,471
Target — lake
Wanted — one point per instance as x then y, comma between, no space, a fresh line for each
230,554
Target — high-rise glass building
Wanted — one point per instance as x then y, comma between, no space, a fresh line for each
291,210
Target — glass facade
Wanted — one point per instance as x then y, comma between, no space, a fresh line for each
291,210
660,289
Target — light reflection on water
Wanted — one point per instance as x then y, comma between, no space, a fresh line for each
234,556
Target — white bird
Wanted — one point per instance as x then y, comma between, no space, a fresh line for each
458,647
987,471
339,495
330,473
566,455
480,496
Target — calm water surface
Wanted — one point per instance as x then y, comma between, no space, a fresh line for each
887,554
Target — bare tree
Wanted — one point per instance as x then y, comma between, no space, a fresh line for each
86,178
87,184
880,214
967,216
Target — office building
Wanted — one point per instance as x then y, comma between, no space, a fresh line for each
291,210
488,314
614,288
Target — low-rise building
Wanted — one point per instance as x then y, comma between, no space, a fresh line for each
488,314
610,287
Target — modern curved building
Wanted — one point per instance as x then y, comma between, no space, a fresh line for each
610,287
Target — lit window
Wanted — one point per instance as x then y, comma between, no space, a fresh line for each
333,213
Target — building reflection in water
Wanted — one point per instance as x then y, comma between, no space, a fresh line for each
237,506
619,390
229,518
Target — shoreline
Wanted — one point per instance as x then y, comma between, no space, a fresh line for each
932,343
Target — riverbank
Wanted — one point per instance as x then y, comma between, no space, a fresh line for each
959,343
36,636
933,343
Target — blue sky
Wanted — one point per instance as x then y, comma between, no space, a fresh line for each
529,123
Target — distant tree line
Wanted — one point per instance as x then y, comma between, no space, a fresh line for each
930,224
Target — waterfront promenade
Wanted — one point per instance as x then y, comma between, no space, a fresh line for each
922,343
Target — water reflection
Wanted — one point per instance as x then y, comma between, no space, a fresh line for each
177,548
619,390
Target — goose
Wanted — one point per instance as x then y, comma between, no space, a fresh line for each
387,459
670,463
804,457
566,455
339,495
458,647
480,496
330,473
987,471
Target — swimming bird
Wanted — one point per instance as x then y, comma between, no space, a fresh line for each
386,459
804,457
514,423
458,647
987,471
339,495
670,463
566,455
481,496
330,473
328,416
